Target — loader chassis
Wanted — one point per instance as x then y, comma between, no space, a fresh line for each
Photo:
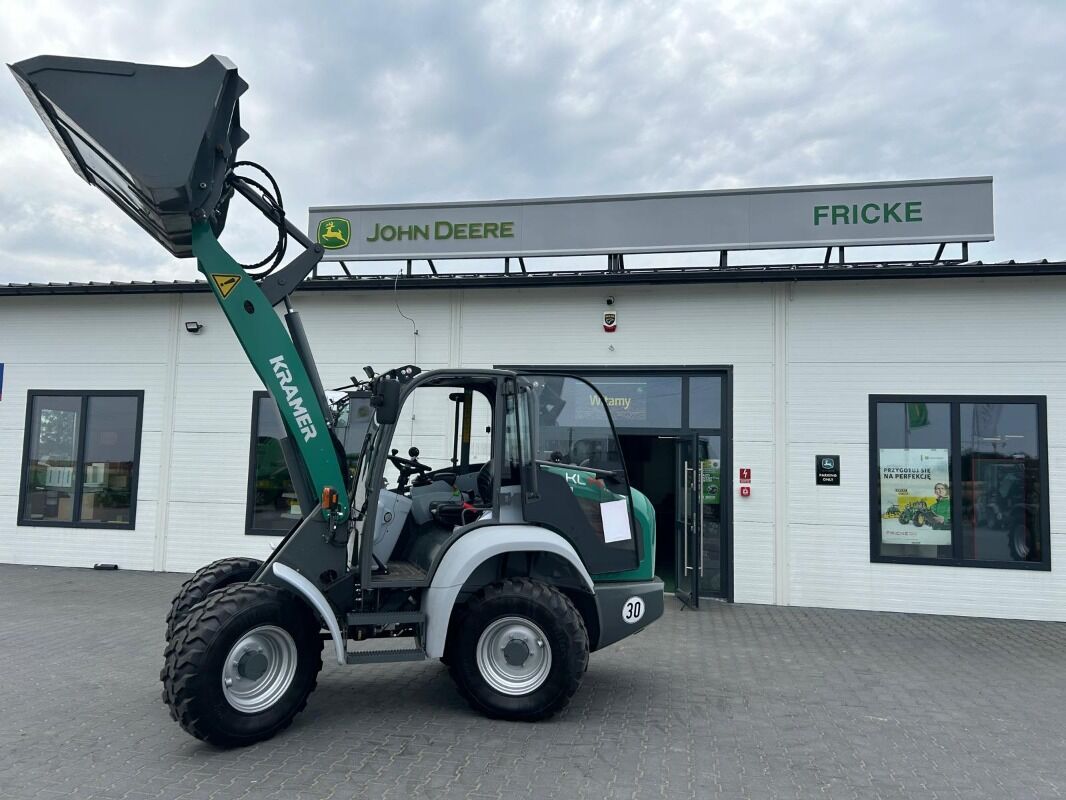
510,550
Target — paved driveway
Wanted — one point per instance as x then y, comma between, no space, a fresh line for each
731,701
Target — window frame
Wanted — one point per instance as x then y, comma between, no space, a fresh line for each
954,403
79,476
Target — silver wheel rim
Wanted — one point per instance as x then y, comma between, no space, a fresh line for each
514,656
259,669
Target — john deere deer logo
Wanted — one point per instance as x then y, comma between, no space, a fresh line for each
334,233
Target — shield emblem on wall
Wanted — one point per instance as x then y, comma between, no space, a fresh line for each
610,321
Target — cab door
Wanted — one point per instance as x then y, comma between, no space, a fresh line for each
579,487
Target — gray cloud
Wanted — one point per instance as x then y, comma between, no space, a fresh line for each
366,103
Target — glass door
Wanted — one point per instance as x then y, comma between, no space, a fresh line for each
708,512
699,518
687,523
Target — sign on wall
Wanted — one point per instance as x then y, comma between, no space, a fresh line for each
887,213
827,470
915,496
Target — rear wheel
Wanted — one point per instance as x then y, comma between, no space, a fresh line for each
216,575
519,651
242,664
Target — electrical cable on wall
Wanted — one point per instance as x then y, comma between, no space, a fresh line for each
414,331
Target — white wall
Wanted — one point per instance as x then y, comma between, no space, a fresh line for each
804,357
847,341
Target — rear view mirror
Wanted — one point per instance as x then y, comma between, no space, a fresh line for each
158,141
386,400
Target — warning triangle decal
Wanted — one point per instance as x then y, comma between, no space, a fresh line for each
225,283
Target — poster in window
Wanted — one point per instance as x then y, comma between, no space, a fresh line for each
915,496
712,481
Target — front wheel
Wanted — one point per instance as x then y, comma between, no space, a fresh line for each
242,664
519,650
216,575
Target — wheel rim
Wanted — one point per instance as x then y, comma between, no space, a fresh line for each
513,656
259,669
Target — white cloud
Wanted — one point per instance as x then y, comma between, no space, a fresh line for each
364,103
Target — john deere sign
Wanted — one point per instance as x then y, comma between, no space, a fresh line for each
334,233
899,212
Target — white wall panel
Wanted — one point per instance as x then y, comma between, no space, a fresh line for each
945,321
76,547
823,557
753,561
657,325
209,468
92,331
759,507
199,533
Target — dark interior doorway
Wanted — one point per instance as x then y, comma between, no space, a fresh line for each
650,464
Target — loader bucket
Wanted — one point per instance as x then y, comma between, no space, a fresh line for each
158,141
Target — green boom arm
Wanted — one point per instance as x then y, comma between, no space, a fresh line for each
275,359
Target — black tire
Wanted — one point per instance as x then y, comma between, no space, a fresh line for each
565,634
195,656
216,575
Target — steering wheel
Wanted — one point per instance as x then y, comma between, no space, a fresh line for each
408,466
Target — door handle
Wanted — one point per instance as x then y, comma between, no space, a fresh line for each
685,528
700,496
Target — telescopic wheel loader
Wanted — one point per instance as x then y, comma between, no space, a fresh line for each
509,567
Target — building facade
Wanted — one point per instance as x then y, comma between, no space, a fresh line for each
886,444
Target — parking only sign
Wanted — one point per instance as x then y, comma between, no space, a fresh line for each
827,470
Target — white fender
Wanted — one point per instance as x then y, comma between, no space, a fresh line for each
319,602
470,552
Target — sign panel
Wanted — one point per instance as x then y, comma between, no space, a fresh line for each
887,213
827,470
915,496
711,480
1,380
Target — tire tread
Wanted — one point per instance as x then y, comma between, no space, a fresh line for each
207,579
560,606
188,646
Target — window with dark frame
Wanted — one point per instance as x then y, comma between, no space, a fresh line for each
959,481
80,459
272,504
273,507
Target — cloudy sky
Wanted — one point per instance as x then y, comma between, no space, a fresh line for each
363,102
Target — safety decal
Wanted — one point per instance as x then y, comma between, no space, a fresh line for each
225,283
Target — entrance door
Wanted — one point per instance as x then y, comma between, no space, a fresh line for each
687,515
699,518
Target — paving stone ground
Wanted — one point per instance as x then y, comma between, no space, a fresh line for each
729,701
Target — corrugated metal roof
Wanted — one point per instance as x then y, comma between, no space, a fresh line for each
664,275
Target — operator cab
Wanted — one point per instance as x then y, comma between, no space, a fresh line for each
486,447
438,474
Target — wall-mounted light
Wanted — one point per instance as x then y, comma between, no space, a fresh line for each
193,326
